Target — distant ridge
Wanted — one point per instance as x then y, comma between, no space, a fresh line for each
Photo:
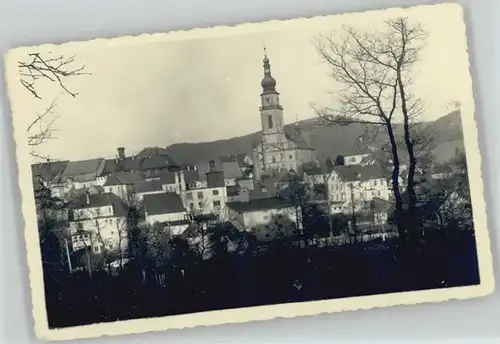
327,140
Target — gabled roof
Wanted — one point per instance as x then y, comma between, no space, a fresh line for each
110,166
92,167
123,178
299,140
238,158
231,169
48,171
163,203
263,189
360,173
215,179
101,200
156,161
167,178
258,205
192,176
232,190
145,186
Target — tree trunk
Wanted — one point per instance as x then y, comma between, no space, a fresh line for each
395,184
410,186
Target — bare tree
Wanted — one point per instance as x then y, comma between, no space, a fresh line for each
373,71
53,69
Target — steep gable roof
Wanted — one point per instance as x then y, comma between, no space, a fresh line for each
146,186
362,173
110,166
263,189
239,158
83,167
101,200
167,178
157,161
163,203
231,170
215,179
49,171
291,135
123,178
192,176
297,139
258,205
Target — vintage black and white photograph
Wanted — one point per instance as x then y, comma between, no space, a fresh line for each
233,174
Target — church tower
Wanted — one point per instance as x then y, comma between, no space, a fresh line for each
271,112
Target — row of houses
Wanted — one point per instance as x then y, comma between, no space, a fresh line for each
101,191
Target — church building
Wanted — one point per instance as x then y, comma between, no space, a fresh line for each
277,149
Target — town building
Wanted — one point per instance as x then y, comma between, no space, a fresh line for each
356,185
147,188
79,175
278,148
99,222
167,210
122,184
208,197
150,162
231,170
244,161
258,215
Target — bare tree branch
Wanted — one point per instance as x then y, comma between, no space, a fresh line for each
54,70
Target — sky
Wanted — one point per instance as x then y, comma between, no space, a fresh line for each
204,85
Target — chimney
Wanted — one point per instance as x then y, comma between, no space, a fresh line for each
87,198
121,153
183,181
211,164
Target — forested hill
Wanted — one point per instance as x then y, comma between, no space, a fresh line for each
446,133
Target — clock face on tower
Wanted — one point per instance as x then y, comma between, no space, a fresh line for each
267,99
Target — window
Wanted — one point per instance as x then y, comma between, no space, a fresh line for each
274,159
200,194
290,157
200,205
216,204
191,205
215,192
189,196
270,121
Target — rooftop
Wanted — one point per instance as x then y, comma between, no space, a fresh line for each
258,205
92,167
362,173
215,179
48,171
101,200
163,203
123,178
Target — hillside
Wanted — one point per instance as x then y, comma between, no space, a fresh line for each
328,140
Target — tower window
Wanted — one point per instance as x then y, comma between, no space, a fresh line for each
270,121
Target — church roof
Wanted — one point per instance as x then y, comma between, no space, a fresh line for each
291,135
